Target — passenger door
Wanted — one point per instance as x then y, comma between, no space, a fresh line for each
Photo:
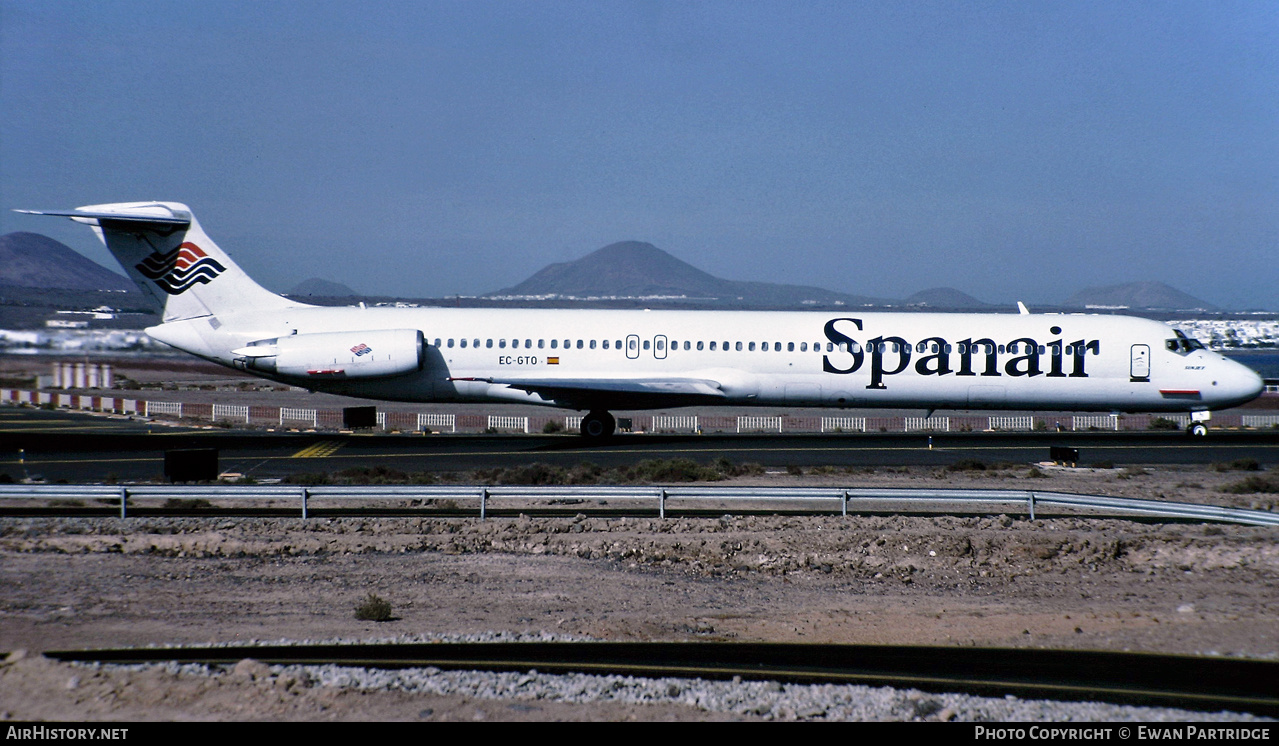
1140,363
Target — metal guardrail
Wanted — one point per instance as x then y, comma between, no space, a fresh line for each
1006,500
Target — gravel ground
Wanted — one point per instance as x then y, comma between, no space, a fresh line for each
998,581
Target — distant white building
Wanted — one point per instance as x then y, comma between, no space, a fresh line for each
1222,334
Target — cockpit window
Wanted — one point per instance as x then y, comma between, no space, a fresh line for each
1183,345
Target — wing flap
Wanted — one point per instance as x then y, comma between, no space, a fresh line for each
574,388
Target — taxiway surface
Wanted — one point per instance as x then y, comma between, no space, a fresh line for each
57,445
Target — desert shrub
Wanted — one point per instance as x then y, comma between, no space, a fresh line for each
1239,464
672,470
585,473
373,609
968,464
553,426
527,474
726,468
1252,485
1163,423
179,503
1034,473
379,474
308,479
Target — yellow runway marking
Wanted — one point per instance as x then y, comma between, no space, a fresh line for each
38,428
319,450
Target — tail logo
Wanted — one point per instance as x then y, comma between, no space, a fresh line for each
179,270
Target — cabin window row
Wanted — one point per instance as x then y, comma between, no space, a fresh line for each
660,344
501,344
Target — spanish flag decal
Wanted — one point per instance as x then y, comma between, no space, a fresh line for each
552,361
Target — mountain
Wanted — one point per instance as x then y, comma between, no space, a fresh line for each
34,261
944,298
1138,295
320,287
634,269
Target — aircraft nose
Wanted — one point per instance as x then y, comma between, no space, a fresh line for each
1242,383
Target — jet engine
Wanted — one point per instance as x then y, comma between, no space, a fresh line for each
337,355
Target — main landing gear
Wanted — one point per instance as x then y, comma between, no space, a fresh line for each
598,425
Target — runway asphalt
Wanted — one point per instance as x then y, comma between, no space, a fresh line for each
80,448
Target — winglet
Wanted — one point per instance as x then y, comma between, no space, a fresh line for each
1021,308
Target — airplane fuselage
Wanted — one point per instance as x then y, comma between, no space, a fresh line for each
820,359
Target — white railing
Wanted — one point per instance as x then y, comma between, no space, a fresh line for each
163,407
941,424
754,424
230,412
503,422
288,414
437,422
843,424
1260,420
1012,423
573,423
1098,421
674,422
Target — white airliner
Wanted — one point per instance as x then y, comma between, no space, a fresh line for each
601,360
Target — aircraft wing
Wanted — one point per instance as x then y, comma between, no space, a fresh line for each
617,392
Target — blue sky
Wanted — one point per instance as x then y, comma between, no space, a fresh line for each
1013,150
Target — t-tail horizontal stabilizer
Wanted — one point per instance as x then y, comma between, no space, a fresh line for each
166,253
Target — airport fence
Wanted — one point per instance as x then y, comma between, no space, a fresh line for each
759,424
673,423
937,424
295,418
1261,420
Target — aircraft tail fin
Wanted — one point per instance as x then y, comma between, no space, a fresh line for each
169,256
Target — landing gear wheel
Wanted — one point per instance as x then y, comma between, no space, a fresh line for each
598,425
1197,430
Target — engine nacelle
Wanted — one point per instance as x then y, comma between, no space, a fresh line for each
338,355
